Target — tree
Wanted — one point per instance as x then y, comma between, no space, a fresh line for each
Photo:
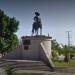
66,52
56,49
55,45
10,69
8,38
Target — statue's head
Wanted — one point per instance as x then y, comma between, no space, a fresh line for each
37,13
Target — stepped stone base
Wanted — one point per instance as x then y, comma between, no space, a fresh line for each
37,48
26,65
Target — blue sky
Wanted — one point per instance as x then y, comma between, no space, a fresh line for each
58,16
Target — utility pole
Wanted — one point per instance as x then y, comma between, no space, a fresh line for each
68,36
69,43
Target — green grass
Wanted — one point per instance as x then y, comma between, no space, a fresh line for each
27,74
71,63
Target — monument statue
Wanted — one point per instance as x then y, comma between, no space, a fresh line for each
37,24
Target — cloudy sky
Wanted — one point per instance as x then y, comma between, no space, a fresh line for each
58,16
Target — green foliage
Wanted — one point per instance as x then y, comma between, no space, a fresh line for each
71,63
72,50
9,69
56,49
65,49
68,51
55,45
8,27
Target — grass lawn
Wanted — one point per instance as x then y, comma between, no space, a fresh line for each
71,63
27,74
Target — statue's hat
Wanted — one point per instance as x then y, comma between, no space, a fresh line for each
37,13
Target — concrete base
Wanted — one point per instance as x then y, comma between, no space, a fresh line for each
33,48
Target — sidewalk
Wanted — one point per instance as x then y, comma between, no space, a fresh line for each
57,72
2,71
64,71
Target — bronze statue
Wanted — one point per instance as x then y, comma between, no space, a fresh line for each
37,24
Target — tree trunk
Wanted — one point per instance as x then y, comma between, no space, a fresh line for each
67,57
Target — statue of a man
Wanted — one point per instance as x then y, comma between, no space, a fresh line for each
37,24
37,17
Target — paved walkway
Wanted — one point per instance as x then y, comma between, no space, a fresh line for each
2,72
63,71
57,72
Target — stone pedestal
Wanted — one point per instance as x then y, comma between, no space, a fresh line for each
37,48
34,46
